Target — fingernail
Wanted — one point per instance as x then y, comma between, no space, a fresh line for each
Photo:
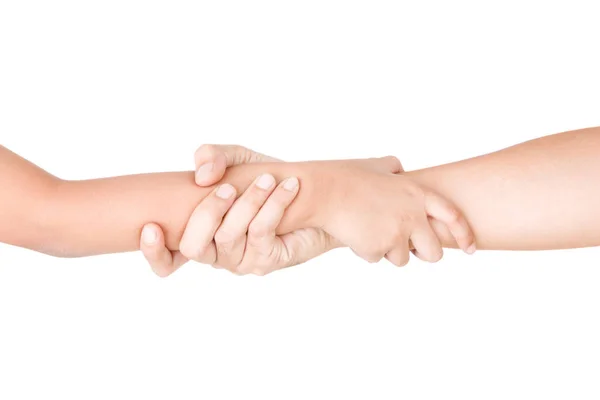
149,235
265,181
471,249
225,191
205,169
290,184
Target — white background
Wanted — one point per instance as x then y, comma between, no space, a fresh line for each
90,89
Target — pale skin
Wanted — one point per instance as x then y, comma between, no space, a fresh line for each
538,195
82,218
224,234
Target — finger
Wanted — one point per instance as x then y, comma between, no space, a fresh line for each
302,245
426,244
442,210
305,244
261,232
197,241
162,261
370,257
442,232
212,160
399,256
230,237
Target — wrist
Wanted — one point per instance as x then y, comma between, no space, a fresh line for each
319,190
429,179
310,208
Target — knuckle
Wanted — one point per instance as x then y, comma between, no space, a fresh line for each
401,260
259,272
241,270
372,257
453,214
435,255
258,229
399,257
223,251
162,272
374,252
406,218
397,234
415,191
206,215
224,237
447,211
256,197
228,261
282,197
228,257
205,153
207,150
464,238
395,164
277,203
192,252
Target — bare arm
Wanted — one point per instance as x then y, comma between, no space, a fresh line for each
24,191
80,218
541,194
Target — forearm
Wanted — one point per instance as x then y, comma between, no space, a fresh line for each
542,194
106,215
80,218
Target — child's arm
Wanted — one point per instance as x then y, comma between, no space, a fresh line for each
80,218
24,193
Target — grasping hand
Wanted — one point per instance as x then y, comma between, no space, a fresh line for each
362,203
378,214
238,235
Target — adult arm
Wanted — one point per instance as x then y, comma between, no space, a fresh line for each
537,195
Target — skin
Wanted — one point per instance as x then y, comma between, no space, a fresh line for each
227,239
537,195
82,218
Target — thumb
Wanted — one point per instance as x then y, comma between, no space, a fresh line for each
213,159
388,165
162,261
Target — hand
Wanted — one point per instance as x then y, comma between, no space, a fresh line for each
238,235
378,214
